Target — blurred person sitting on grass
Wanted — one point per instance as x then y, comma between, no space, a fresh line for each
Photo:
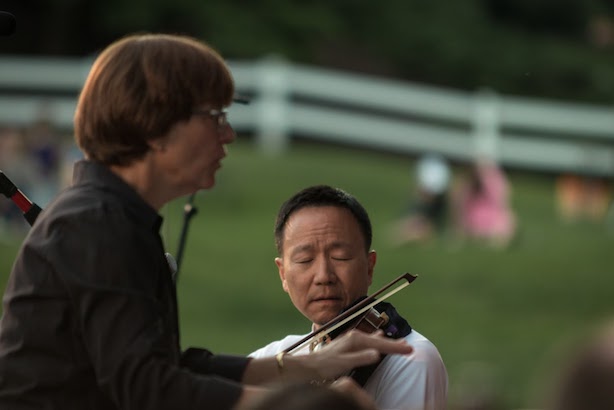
481,207
323,237
427,214
90,309
586,382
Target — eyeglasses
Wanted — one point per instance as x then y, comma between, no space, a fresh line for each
219,116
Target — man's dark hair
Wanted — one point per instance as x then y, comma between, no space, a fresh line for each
317,196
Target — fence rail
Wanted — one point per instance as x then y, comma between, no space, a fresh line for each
345,108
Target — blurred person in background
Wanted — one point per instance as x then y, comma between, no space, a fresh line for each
481,205
323,237
583,198
89,315
302,396
18,166
70,155
478,387
427,214
44,147
586,382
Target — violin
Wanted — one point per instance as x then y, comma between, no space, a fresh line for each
368,322
359,314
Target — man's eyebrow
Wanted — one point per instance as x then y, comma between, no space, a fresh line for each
341,244
301,248
309,247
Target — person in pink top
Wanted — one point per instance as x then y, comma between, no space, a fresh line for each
481,205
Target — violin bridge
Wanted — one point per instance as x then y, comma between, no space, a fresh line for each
376,319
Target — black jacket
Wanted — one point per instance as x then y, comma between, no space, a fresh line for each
90,312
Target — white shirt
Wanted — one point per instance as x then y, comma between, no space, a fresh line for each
417,381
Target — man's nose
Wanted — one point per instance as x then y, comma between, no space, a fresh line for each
325,272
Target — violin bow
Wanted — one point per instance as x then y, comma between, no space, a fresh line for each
354,311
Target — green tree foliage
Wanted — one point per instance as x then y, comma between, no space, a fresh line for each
548,48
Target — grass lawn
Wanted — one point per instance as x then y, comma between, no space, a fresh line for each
499,317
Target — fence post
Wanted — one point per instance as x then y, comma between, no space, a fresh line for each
272,127
486,124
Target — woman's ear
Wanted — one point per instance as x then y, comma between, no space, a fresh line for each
157,145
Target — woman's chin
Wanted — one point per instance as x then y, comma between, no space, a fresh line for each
207,182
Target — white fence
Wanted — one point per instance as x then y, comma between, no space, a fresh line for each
331,106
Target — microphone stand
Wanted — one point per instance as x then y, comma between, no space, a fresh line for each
189,210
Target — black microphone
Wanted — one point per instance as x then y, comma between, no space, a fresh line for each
8,23
30,210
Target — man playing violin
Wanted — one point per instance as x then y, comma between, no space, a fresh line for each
323,237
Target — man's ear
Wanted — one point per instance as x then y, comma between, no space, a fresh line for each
372,258
282,275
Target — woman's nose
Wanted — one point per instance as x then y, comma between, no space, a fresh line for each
227,134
